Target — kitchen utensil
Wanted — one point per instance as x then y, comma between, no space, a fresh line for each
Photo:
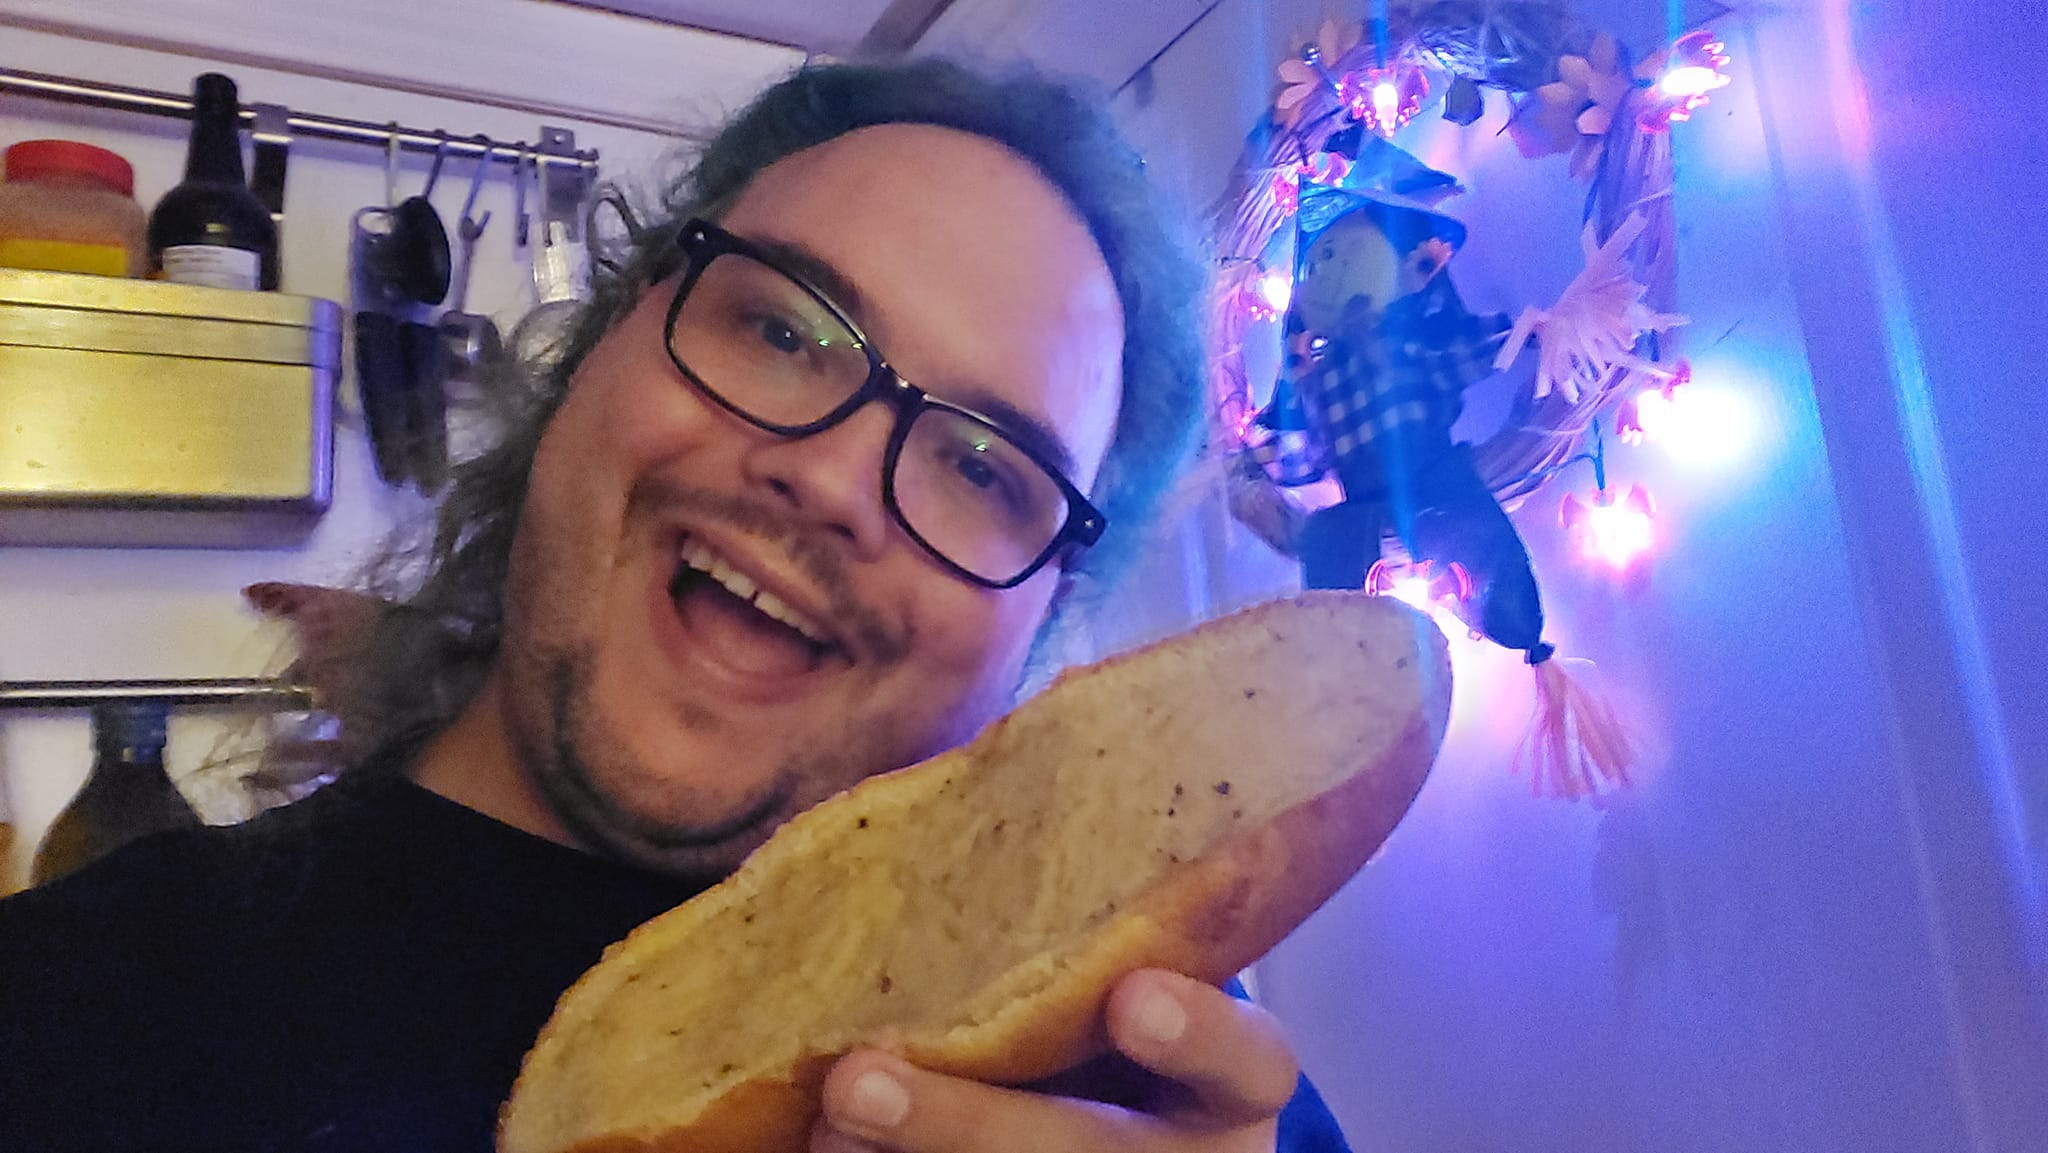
399,251
559,250
470,339
382,382
426,409
416,255
399,375
273,149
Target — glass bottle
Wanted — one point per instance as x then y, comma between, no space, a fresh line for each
7,885
211,229
127,796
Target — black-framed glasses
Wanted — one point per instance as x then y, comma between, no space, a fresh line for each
772,349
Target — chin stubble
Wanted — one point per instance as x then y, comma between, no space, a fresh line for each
567,776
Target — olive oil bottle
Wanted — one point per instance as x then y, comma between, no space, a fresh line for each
127,796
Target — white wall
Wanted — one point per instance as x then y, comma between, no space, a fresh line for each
1802,930
117,613
1799,932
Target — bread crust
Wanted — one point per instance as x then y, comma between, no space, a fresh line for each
1208,916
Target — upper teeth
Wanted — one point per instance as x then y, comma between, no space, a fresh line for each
699,557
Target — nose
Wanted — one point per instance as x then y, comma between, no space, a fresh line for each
832,478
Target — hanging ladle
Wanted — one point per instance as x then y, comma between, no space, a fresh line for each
414,257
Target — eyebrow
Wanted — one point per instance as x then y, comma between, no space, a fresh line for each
1026,429
820,272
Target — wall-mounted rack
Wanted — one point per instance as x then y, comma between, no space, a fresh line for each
95,94
243,693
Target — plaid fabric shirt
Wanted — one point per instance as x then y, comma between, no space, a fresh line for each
1406,374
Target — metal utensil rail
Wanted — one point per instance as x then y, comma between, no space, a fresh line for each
244,693
92,93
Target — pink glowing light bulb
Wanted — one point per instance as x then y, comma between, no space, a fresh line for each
1276,289
1656,413
1413,591
1691,68
1690,81
1386,104
1617,533
1424,584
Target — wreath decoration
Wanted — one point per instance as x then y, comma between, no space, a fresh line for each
1336,233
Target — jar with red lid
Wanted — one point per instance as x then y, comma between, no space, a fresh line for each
70,207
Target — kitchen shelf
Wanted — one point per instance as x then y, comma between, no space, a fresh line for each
145,413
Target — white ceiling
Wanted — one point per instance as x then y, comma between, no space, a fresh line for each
831,26
1103,40
1107,40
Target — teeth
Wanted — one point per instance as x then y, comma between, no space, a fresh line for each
699,557
768,603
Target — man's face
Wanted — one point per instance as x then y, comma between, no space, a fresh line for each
678,729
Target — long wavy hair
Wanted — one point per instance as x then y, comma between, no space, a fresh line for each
425,653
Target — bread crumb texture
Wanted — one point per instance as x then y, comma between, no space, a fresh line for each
923,905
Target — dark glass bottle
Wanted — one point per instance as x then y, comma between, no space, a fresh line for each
7,885
211,229
127,796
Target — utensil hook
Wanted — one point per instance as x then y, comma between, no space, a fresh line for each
473,225
522,223
391,147
434,172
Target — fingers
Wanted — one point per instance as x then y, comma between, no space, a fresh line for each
874,1100
1230,1055
1228,1063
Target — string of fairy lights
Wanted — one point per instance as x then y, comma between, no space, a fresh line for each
1572,90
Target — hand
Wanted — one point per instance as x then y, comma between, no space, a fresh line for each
1215,1071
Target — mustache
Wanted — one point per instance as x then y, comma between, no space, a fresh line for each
813,550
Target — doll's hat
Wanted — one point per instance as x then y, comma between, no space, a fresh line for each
1400,191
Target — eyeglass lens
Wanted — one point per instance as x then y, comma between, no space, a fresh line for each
768,347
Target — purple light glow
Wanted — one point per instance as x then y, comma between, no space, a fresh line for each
1619,533
1701,425
1386,102
1689,81
1276,289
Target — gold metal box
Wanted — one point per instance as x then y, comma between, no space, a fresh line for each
144,413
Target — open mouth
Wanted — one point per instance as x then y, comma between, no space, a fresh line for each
744,626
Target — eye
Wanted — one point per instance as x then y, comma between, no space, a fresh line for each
779,334
976,470
983,466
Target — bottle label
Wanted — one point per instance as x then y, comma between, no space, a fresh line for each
64,256
212,266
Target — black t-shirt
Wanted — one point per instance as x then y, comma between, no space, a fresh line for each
361,971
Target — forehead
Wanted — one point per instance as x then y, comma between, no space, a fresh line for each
974,276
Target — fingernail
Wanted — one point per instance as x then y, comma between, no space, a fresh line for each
1158,1016
877,1099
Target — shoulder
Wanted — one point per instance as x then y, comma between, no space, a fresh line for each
111,977
176,887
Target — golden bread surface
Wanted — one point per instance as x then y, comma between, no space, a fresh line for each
1184,805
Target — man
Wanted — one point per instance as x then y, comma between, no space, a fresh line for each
792,505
